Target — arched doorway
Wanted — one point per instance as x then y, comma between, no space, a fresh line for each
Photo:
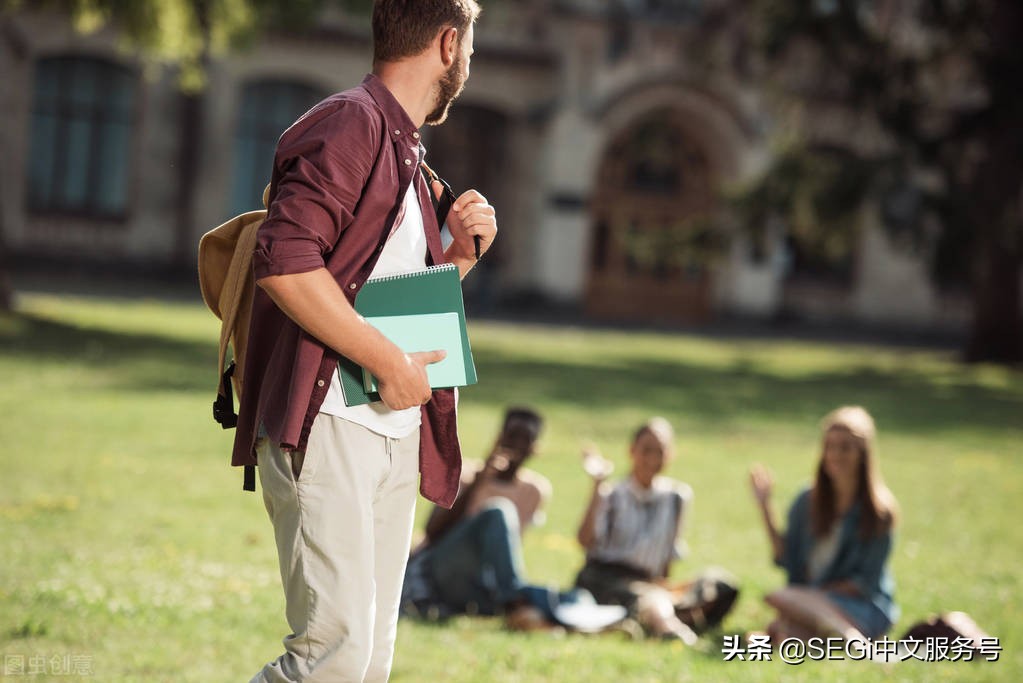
651,241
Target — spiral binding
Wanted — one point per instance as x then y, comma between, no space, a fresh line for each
413,273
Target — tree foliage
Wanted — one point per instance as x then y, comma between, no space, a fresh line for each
932,91
186,32
818,192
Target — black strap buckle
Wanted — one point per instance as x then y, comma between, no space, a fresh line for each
223,405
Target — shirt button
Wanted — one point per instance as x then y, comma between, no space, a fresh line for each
397,132
319,382
351,286
408,162
415,135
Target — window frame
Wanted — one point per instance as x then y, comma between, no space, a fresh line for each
100,110
250,131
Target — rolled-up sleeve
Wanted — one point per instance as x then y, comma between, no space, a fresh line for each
320,174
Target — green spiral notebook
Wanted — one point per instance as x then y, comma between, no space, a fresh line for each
419,311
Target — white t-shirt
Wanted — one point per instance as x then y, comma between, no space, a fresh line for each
405,250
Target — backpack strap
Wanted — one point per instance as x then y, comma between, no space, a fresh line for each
238,289
442,204
249,478
223,405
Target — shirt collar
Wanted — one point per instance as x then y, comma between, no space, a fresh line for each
644,495
399,125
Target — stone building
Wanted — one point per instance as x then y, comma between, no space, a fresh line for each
603,137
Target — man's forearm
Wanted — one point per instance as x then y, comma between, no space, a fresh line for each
316,303
464,264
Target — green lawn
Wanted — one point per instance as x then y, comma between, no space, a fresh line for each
129,546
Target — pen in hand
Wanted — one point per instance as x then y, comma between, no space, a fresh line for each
446,196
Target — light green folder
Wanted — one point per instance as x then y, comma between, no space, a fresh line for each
430,300
426,332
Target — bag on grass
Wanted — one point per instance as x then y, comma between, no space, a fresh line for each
703,603
950,625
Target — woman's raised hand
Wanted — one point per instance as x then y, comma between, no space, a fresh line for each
761,483
594,464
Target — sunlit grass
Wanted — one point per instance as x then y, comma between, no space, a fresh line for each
126,538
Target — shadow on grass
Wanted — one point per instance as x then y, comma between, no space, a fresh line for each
129,361
908,399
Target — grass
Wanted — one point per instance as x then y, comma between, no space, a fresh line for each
128,545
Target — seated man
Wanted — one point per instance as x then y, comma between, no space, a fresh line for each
471,558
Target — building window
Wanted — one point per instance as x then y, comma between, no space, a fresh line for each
82,119
470,150
268,108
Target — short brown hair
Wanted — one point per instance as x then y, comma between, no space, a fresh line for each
404,28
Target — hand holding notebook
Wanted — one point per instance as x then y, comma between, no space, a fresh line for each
426,332
418,311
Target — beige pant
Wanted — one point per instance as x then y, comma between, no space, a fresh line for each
343,528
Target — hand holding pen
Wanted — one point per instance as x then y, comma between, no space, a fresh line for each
471,221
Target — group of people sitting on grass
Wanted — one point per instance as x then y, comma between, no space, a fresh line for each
834,548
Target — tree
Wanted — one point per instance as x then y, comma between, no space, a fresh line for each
184,33
6,293
936,84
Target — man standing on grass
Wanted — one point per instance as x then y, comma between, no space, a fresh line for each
347,202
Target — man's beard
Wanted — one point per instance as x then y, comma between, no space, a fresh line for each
449,87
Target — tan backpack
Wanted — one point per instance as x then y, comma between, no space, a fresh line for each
226,282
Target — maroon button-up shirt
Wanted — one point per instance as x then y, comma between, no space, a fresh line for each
339,178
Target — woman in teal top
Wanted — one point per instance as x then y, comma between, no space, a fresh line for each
835,549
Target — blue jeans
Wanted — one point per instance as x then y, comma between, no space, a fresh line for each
477,565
